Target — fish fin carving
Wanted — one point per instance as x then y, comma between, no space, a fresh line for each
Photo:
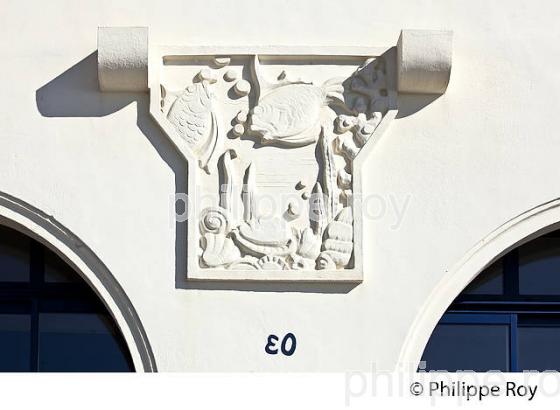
334,90
264,85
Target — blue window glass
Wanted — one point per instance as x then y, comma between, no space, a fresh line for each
546,356
538,342
539,267
58,271
15,342
50,319
79,342
491,282
14,256
508,318
475,347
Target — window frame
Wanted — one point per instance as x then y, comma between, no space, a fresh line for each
36,296
509,308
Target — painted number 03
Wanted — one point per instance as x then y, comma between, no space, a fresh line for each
287,346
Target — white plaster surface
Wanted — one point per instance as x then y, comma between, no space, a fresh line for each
122,58
424,61
469,161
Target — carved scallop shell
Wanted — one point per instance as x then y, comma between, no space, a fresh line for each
272,263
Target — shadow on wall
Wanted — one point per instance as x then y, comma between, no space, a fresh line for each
75,93
410,104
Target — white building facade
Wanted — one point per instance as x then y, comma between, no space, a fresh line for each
458,174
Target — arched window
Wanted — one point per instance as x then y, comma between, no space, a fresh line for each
507,319
50,319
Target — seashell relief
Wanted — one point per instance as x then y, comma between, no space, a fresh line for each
236,106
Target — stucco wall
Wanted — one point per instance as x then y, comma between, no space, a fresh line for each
462,164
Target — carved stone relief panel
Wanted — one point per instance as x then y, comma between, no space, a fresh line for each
272,142
275,139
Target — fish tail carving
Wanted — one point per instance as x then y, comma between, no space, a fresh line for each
334,90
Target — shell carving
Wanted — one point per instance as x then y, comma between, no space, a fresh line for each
195,119
309,244
272,263
218,247
215,220
338,242
290,115
219,250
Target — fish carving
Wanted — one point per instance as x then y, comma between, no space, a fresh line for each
288,113
194,116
